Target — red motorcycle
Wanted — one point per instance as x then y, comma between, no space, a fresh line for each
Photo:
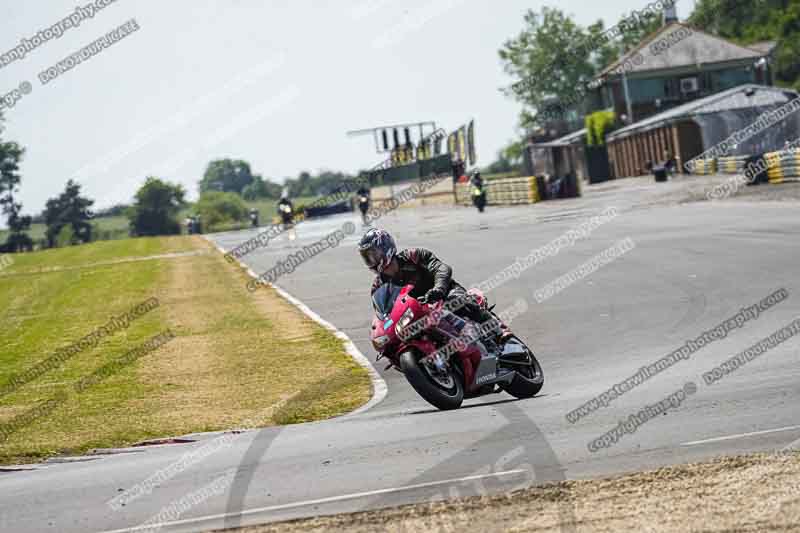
445,357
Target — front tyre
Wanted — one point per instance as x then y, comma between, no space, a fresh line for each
444,391
529,379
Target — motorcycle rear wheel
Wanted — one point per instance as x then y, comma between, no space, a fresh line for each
441,397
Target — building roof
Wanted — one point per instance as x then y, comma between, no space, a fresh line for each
690,48
566,140
764,47
742,97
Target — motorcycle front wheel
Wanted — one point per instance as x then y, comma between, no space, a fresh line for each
530,377
444,390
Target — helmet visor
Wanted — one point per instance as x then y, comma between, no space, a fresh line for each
372,258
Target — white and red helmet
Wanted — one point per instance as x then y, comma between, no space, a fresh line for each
377,249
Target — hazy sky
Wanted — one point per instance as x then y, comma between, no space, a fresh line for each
274,82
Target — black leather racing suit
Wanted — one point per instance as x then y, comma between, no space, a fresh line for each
421,268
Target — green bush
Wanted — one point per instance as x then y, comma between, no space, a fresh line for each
598,125
66,237
156,206
220,208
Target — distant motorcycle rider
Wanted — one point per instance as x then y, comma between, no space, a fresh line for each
286,209
432,279
478,191
362,194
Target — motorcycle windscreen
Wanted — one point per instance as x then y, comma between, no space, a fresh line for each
383,299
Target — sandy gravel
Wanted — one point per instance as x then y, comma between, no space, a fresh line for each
750,493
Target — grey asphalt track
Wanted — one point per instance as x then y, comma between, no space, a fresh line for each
694,266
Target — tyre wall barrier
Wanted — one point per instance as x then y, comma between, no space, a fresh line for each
732,164
505,191
704,167
783,166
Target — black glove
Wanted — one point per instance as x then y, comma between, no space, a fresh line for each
432,296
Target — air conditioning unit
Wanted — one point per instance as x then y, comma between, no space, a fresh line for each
689,85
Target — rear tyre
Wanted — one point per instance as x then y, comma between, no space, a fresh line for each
444,396
528,381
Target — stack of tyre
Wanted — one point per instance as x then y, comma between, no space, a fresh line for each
463,194
732,164
533,189
783,166
508,191
705,167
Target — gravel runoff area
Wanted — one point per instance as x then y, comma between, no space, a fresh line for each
758,492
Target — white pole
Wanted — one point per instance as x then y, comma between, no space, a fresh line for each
627,97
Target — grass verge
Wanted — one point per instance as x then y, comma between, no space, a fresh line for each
234,353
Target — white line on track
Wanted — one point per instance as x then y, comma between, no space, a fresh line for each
740,435
320,501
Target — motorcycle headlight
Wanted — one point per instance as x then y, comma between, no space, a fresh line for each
404,321
380,342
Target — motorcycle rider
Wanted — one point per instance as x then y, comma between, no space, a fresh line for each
286,209
363,202
478,192
432,279
477,180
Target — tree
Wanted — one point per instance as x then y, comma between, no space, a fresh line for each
255,190
634,34
261,188
540,62
751,21
226,175
509,159
553,59
156,208
18,240
115,210
302,186
788,67
217,208
738,19
501,165
308,185
10,156
68,209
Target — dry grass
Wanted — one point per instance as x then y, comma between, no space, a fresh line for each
238,352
